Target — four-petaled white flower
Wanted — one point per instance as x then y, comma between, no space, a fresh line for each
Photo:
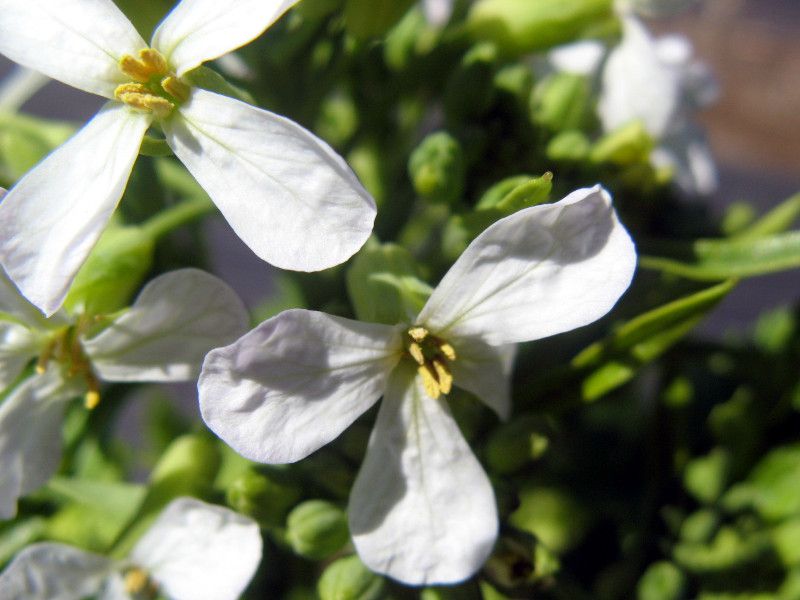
422,509
285,192
175,320
658,83
193,551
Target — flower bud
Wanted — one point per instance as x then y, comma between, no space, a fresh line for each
349,579
562,101
261,497
568,146
437,168
316,529
521,26
627,145
113,272
470,89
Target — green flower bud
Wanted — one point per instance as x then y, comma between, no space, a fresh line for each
410,38
383,284
470,89
113,272
366,19
661,581
521,26
784,538
437,168
316,529
707,477
349,579
628,145
338,119
515,444
562,101
568,146
552,515
261,497
365,159
700,526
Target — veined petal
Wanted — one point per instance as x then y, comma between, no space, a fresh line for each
541,271
485,371
197,551
18,345
30,436
78,42
200,30
52,218
295,382
422,509
285,192
175,321
53,572
637,85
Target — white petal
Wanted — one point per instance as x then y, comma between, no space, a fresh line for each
437,12
541,271
637,85
199,30
295,382
30,436
686,152
197,551
78,42
580,58
175,321
53,572
485,371
52,218
18,345
285,192
422,509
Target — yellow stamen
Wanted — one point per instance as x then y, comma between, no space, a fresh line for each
142,69
429,381
139,97
175,88
92,398
418,333
138,583
443,376
415,350
447,350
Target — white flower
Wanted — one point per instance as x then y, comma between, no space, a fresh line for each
656,82
193,551
422,509
437,12
654,8
286,193
175,320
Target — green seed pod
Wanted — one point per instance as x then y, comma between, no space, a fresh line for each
261,497
348,579
470,89
316,529
113,271
437,168
521,26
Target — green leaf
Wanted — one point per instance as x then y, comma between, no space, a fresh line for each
778,220
708,260
616,360
113,497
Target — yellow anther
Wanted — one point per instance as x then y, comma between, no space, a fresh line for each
139,97
92,398
447,350
138,584
415,350
429,381
142,69
418,334
443,376
175,88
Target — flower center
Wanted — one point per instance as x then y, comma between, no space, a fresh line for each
65,348
433,357
154,88
138,584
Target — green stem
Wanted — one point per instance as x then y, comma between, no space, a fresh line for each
175,216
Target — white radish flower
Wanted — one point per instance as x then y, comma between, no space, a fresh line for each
285,192
175,320
422,509
193,551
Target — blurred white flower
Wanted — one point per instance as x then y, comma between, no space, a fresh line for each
175,320
285,192
193,551
422,509
654,8
437,12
